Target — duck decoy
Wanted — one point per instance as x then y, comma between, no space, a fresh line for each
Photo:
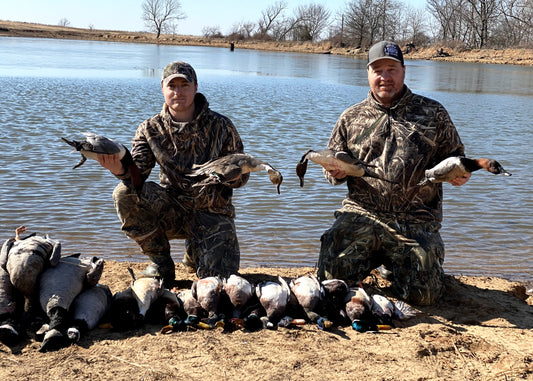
274,297
231,167
457,166
309,293
95,144
332,160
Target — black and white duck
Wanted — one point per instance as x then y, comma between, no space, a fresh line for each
230,168
95,145
334,160
458,166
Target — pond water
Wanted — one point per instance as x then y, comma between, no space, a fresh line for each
282,104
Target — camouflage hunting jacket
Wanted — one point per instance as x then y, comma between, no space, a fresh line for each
402,141
176,146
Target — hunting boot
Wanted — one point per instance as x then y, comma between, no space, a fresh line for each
157,248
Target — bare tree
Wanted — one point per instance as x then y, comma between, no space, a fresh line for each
161,15
516,25
481,14
269,18
314,19
449,14
63,22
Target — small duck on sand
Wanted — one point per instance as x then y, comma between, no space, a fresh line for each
458,166
332,160
231,167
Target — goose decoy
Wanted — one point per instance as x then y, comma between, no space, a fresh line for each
309,293
58,288
88,309
95,144
274,297
331,160
231,167
457,166
24,259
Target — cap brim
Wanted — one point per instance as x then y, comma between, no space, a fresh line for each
383,58
169,78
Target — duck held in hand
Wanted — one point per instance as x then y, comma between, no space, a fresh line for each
458,166
230,168
95,145
334,160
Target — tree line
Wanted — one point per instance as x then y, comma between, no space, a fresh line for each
468,23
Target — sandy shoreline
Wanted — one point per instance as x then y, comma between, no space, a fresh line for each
512,56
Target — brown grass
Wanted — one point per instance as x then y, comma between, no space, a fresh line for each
456,54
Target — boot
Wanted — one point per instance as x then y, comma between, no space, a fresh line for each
157,248
162,266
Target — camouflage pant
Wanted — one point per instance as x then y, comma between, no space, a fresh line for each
357,243
156,216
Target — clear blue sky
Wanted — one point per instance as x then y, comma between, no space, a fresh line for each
126,14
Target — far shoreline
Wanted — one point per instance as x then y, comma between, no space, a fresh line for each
512,56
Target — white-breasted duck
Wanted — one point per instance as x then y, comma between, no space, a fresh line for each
95,144
231,167
335,160
274,297
310,293
457,166
207,291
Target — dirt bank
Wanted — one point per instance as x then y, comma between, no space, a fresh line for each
504,56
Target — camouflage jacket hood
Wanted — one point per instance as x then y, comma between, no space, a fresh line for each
402,141
176,146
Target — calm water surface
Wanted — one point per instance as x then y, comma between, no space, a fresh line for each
282,105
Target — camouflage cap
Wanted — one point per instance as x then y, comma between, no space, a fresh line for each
385,49
178,69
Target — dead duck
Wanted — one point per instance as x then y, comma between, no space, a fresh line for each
129,307
309,293
207,291
88,309
335,291
386,310
359,310
58,287
332,160
274,297
458,166
95,144
241,294
231,167
193,310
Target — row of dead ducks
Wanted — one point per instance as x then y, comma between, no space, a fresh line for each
62,299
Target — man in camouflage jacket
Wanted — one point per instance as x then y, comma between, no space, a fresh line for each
184,133
392,223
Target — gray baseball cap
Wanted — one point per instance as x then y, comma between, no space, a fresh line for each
385,49
178,69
